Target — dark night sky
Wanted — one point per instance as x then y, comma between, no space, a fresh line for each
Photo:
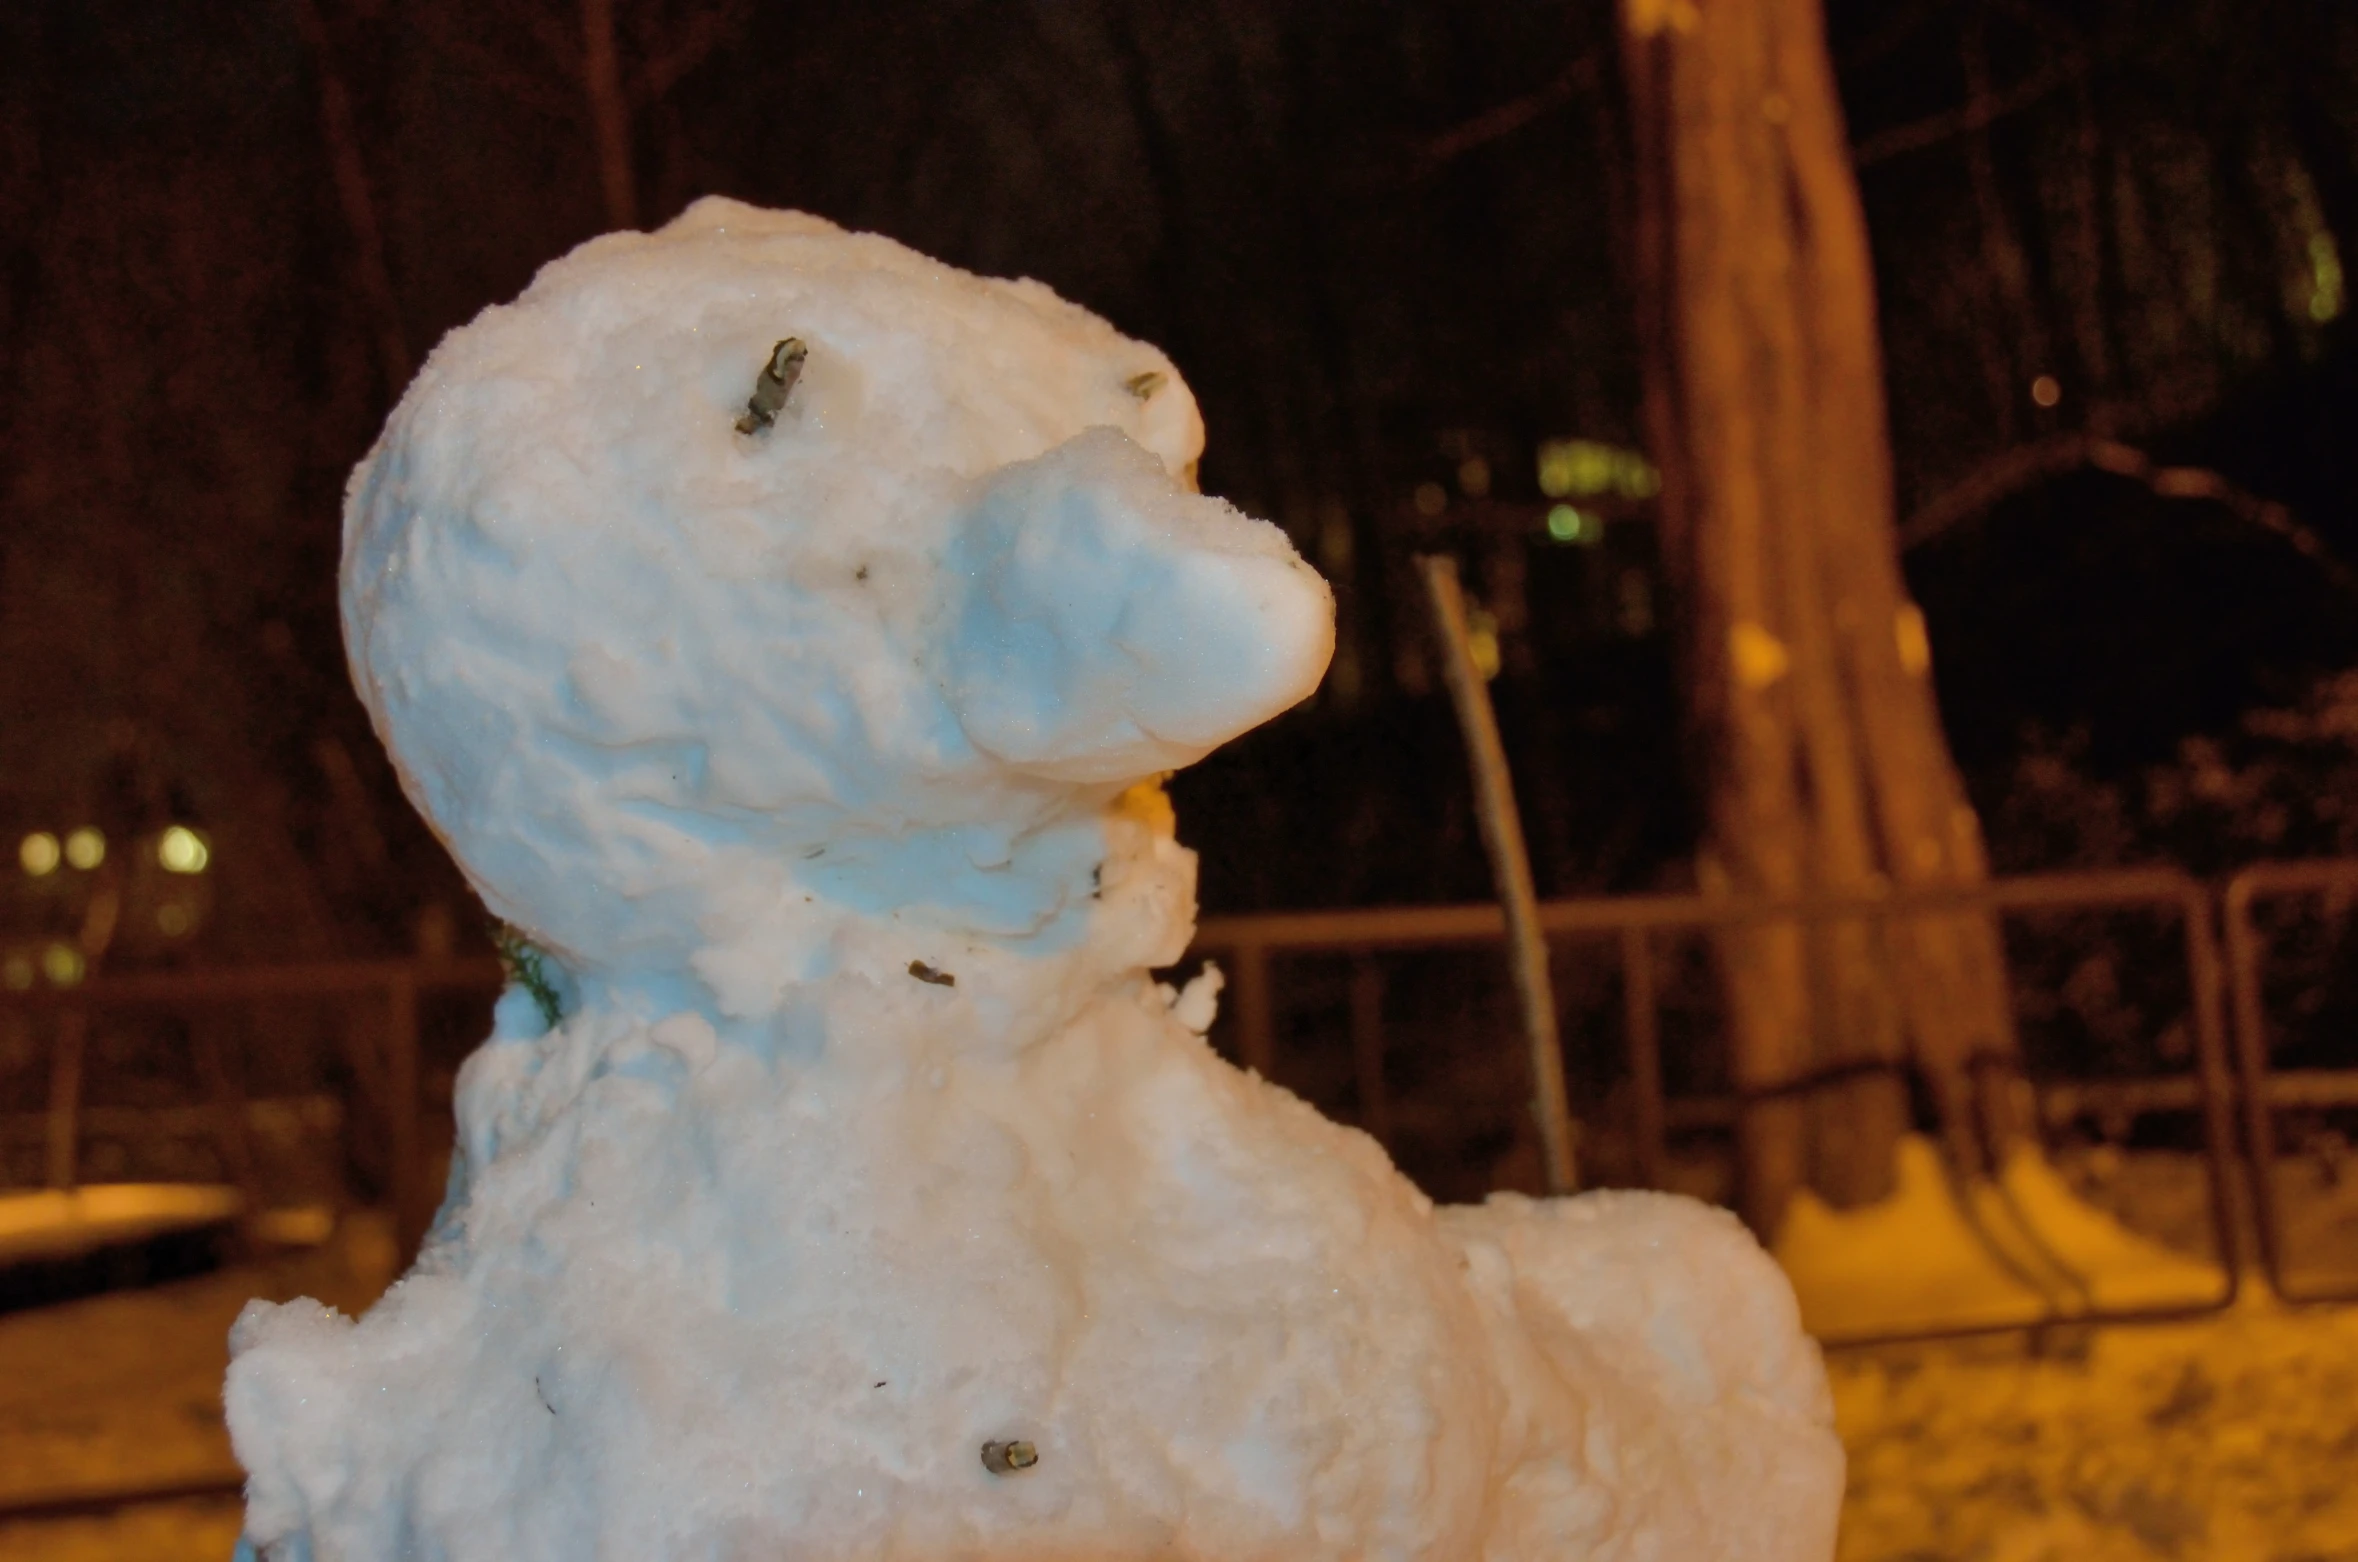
1299,202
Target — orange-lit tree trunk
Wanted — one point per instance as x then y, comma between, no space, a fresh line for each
1827,774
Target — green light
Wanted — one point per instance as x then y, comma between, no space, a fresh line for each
2325,265
1566,524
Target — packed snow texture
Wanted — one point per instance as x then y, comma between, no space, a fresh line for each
821,759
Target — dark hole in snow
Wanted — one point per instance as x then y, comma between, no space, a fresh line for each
861,573
926,973
1007,1458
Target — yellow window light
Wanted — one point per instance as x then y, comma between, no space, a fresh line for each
39,853
182,850
63,965
85,848
1585,469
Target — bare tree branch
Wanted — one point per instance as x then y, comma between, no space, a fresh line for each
1498,123
2025,466
549,32
486,66
1916,135
1895,28
357,198
706,31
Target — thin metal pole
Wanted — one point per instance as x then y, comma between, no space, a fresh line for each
2251,1055
410,1213
1510,865
1367,1047
65,1098
1642,1028
1256,1031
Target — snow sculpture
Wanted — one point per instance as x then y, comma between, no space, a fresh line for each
870,1199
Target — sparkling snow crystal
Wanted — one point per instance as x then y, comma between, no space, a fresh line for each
870,1199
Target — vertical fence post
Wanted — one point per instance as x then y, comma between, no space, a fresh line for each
1367,1046
2218,1124
2251,1056
65,1098
226,1104
1256,1032
1642,1030
401,1113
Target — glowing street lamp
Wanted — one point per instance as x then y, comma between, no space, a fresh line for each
39,853
85,848
182,850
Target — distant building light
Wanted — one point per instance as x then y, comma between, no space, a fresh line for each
85,848
1566,524
39,853
172,921
2046,390
63,965
1473,477
182,850
1584,468
1431,499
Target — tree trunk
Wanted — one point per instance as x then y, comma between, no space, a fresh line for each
601,76
1826,772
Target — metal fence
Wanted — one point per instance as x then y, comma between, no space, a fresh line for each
2221,1086
2266,1090
1636,927
383,1056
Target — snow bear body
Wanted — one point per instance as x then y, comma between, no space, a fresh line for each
813,756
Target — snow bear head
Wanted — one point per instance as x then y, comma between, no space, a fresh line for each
651,674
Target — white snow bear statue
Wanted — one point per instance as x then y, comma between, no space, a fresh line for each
870,1199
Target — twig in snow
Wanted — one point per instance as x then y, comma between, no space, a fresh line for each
775,384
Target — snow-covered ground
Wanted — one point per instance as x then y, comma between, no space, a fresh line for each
125,1389
2231,1439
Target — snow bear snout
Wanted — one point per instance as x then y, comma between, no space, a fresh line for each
1104,623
